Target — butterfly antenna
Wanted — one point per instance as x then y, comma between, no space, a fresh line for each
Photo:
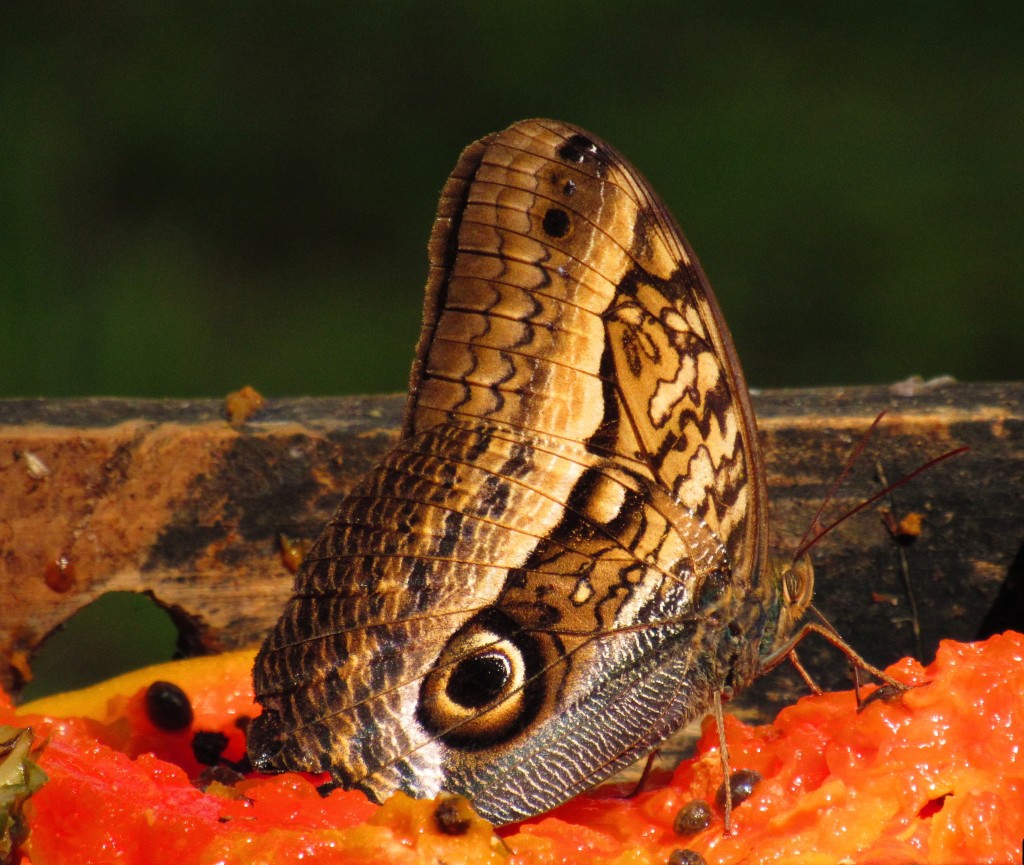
851,460
805,546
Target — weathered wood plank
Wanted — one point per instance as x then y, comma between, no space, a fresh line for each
168,498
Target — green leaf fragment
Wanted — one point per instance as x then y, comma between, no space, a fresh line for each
20,777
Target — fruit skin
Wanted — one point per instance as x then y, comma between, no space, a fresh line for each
931,775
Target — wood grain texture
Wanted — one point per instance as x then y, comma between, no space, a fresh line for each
216,498
168,498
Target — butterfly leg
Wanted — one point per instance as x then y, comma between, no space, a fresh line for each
802,670
856,660
723,750
645,775
328,787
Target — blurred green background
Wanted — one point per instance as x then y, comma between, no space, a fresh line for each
197,196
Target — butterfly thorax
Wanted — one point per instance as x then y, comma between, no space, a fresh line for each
757,625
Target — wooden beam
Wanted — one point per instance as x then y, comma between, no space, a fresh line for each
168,498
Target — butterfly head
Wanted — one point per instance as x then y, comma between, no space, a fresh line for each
792,583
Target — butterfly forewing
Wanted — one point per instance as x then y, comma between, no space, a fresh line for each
546,577
563,298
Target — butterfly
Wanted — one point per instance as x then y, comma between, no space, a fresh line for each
565,557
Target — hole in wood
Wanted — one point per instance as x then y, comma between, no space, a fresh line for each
119,631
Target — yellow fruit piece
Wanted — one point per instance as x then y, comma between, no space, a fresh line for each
195,676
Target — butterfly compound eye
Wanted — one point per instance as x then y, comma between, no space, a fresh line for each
798,583
483,689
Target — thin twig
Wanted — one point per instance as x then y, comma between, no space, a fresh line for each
908,584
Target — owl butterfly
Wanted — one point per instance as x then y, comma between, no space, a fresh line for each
564,559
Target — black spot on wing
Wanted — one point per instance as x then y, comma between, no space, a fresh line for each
581,151
556,223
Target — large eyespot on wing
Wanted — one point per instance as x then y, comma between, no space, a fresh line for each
424,543
488,683
611,651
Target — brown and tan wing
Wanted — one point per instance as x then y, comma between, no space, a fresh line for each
538,584
563,299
